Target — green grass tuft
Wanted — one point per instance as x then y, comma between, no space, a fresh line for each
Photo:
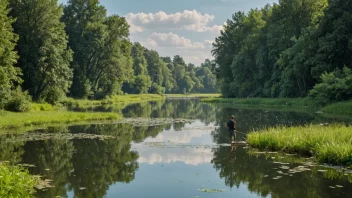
18,120
329,144
210,95
133,98
16,182
344,108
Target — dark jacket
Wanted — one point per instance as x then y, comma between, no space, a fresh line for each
231,125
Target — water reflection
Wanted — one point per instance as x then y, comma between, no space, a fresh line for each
170,160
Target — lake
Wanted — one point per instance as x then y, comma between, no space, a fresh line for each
174,148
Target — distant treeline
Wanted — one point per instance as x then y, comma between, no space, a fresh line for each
295,48
51,51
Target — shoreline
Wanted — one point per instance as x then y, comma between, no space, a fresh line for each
330,144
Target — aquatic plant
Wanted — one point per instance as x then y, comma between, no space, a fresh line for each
328,144
16,182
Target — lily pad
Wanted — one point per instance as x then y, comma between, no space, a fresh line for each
211,190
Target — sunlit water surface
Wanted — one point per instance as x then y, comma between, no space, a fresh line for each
176,160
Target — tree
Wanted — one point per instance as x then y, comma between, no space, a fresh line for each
44,55
335,87
102,59
334,39
9,75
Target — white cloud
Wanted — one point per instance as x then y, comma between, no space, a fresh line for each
170,44
171,40
189,156
186,20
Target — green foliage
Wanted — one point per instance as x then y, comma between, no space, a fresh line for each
16,182
340,108
335,86
101,61
80,51
44,56
16,120
9,75
142,83
264,101
19,101
331,144
283,49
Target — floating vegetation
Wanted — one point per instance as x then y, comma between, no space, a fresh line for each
211,190
44,184
152,121
36,136
285,167
277,177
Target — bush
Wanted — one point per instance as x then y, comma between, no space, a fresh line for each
335,87
16,182
19,101
54,95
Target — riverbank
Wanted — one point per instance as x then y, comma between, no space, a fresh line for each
198,96
46,114
10,120
328,144
133,98
263,101
16,182
339,108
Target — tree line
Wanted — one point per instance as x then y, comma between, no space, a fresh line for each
293,48
49,51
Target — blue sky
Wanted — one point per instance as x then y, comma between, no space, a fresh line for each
183,27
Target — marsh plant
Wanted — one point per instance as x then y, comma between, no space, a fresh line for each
329,144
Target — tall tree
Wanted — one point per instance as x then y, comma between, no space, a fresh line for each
44,55
9,75
101,46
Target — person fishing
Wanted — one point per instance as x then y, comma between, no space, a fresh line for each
231,124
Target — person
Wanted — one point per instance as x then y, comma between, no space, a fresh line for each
231,124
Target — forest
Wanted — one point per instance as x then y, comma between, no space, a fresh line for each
50,51
291,49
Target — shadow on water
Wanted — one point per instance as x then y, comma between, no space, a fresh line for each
183,162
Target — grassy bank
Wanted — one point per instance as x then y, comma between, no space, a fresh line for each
133,98
212,95
46,114
342,108
16,182
17,120
263,101
328,144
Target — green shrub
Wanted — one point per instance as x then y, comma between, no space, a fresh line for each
41,107
53,95
16,182
335,87
19,101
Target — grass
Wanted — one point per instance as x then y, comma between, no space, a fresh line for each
328,144
46,114
211,95
16,182
263,101
9,120
133,98
344,108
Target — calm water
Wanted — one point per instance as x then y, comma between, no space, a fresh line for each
174,160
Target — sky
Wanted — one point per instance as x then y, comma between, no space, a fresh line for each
183,27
